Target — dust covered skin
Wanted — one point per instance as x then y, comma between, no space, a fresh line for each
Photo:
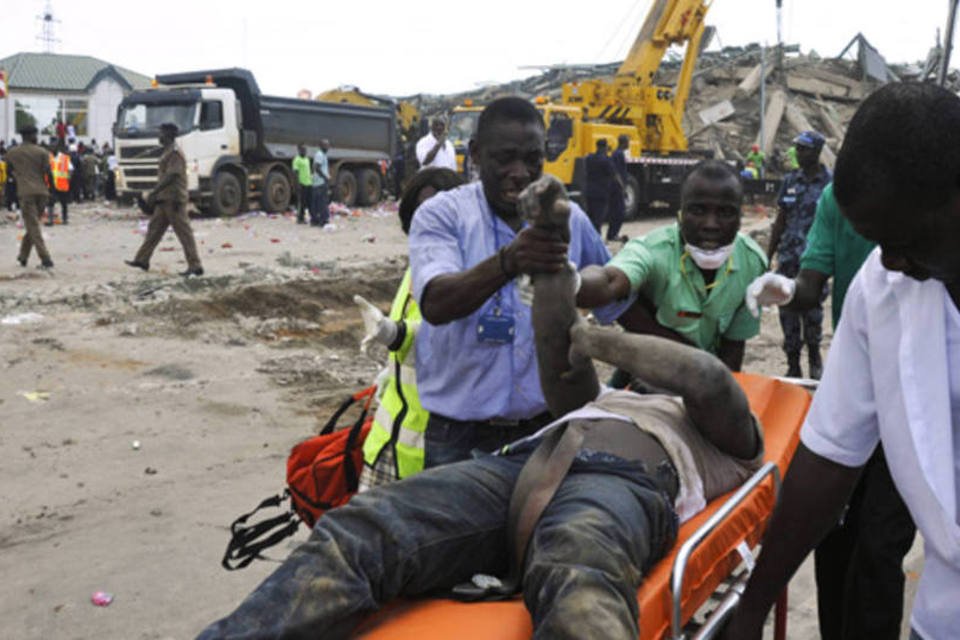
544,204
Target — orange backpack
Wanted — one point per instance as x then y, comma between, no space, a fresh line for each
323,472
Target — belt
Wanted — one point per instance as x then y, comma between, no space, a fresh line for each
541,419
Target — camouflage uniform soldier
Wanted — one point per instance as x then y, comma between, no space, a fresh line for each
30,165
169,203
798,204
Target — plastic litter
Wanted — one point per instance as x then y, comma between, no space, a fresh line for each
101,598
135,445
226,245
21,318
36,396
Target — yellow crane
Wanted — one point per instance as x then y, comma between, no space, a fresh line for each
630,104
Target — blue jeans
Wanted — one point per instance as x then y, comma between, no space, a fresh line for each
447,440
320,206
605,527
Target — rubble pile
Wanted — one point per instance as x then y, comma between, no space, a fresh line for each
801,91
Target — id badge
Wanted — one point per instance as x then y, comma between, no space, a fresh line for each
495,329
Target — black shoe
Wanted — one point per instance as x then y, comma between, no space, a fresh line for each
22,261
816,365
138,265
793,366
65,221
47,264
49,223
192,272
301,221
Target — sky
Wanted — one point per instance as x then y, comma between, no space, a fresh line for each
431,46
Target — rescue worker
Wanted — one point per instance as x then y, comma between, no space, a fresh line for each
601,178
29,163
757,157
90,170
797,203
394,447
616,206
169,202
60,167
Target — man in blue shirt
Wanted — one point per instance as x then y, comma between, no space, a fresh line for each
476,363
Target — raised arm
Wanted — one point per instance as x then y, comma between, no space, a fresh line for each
714,401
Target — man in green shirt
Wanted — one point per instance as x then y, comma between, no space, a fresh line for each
301,166
690,277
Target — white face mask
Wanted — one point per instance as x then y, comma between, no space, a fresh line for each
709,258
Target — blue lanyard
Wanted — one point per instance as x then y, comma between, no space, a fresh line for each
498,296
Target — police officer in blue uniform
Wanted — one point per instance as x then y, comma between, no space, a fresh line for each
797,204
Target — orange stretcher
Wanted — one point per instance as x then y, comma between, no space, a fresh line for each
709,548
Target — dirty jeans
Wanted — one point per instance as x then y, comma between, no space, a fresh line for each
447,440
606,526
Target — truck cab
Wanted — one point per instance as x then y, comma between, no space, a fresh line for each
210,131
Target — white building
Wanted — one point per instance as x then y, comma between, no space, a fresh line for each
43,88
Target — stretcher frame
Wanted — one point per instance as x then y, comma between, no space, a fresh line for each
716,619
781,409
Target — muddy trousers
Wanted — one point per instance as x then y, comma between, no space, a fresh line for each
169,214
433,530
30,208
859,565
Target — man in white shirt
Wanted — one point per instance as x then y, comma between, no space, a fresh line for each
893,372
434,150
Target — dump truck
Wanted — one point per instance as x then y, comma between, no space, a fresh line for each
630,104
239,143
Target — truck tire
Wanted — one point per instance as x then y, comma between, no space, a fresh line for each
631,196
277,194
227,195
346,187
369,188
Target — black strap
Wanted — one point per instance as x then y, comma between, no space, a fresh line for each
535,487
246,542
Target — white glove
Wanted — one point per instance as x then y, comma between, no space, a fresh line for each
524,284
377,326
769,289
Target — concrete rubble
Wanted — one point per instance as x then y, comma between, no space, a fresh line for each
723,112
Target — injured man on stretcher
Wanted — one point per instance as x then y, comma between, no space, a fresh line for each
573,516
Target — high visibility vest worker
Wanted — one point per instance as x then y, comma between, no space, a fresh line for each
400,421
60,168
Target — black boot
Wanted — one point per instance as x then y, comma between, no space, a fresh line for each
816,365
793,365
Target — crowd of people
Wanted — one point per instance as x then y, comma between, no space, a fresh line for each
492,402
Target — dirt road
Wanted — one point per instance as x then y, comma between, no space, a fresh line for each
141,413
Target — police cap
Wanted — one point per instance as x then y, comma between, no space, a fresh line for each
810,139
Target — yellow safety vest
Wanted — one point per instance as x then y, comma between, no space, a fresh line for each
400,421
60,168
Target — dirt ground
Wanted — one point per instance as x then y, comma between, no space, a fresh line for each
140,413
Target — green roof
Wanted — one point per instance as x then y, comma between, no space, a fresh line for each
58,72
